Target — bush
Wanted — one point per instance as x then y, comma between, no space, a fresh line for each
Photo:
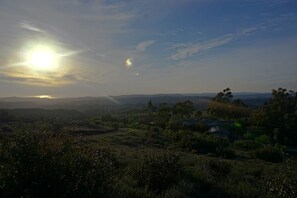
215,170
283,184
224,152
157,171
7,129
245,145
262,140
200,143
269,154
47,165
115,126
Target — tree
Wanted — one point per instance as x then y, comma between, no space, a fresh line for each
223,106
184,109
163,115
150,107
224,97
279,116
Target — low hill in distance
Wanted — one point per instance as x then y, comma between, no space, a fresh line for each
92,105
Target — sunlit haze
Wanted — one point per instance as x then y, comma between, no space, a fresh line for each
73,48
42,58
44,97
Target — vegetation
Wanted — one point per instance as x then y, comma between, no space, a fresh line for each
223,106
279,116
165,150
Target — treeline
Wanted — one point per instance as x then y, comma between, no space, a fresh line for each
276,120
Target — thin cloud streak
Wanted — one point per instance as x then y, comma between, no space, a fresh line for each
144,45
185,50
29,26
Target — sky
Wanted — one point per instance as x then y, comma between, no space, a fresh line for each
73,48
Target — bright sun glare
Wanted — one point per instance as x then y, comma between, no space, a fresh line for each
42,58
44,97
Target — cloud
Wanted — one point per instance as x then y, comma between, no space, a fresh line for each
22,76
28,26
144,45
85,31
185,50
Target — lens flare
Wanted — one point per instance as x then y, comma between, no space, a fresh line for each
129,63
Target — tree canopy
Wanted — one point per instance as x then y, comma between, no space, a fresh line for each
223,106
279,116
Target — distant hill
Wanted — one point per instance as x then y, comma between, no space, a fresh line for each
114,103
39,114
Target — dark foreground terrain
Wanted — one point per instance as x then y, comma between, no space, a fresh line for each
226,149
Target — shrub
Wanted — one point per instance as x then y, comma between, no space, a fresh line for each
283,183
269,154
215,170
7,129
115,126
262,140
200,143
245,145
38,165
224,152
157,171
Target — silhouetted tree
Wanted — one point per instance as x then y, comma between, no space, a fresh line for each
163,115
150,107
224,97
223,106
185,109
279,116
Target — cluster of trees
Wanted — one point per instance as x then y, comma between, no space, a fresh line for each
223,106
172,117
279,116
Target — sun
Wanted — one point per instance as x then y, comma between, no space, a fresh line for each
42,58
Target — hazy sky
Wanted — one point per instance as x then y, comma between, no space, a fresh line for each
113,47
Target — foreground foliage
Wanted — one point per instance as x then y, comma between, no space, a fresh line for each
34,164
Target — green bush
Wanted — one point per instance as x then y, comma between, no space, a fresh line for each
47,165
263,140
200,143
283,184
157,171
215,170
269,154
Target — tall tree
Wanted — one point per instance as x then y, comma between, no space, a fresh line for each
150,107
279,116
224,97
163,115
223,106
